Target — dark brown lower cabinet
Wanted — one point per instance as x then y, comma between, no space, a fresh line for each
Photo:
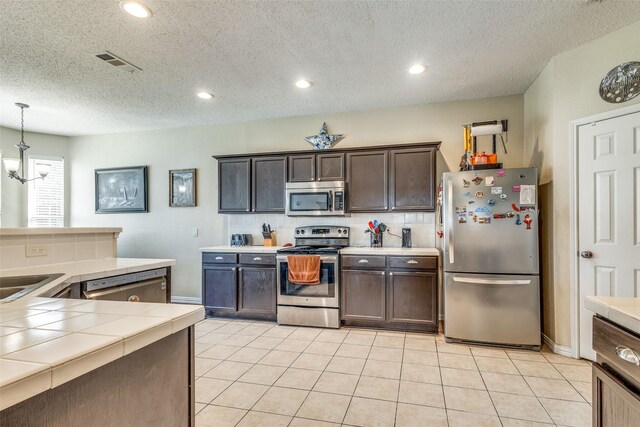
219,286
615,405
363,295
616,381
245,288
257,290
412,298
386,297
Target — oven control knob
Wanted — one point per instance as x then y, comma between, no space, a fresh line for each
302,231
344,231
297,231
339,231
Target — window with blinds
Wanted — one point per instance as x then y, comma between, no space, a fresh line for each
46,196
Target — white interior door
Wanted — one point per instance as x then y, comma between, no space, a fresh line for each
609,214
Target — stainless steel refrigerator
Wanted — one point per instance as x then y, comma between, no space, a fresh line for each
491,283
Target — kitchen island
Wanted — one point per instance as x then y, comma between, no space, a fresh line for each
79,362
616,373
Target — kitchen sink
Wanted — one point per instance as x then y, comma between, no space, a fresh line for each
12,288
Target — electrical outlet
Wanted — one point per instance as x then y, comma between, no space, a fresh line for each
194,232
37,250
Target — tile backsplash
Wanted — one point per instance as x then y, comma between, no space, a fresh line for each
422,227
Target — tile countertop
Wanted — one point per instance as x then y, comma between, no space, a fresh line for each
45,342
359,250
623,311
242,249
48,342
366,250
83,270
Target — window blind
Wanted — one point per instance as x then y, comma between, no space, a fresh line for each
46,196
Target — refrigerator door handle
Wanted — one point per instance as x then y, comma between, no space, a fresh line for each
450,219
491,282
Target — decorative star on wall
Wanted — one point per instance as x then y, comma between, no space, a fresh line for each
323,140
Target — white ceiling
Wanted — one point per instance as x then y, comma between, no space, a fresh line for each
249,55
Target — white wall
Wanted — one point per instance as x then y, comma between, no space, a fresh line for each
167,232
568,87
13,194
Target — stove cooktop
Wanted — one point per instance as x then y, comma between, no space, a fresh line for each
309,250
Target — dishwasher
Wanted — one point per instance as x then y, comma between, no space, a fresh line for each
143,286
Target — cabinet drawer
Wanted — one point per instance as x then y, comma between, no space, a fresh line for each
421,262
258,259
363,261
607,339
221,258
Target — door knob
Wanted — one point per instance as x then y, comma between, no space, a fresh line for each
586,254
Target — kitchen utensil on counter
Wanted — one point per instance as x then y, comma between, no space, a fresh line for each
269,235
241,240
406,237
375,240
372,228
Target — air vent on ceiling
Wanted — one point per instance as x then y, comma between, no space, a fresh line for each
116,61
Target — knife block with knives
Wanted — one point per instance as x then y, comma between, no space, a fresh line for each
269,235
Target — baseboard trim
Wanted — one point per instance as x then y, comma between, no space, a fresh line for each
185,300
558,349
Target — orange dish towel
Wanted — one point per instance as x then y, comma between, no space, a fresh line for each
304,269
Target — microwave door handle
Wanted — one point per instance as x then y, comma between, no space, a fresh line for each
330,201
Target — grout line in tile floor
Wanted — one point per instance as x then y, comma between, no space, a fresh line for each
437,339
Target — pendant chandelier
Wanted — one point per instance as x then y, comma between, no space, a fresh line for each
12,165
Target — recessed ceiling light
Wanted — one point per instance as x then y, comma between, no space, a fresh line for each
136,9
416,69
204,95
303,84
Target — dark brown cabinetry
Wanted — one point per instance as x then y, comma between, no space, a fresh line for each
316,167
234,185
251,184
363,295
239,286
413,176
616,382
398,178
368,180
267,190
390,292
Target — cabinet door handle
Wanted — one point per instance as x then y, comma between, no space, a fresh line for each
257,258
628,355
412,261
390,274
219,258
233,269
363,261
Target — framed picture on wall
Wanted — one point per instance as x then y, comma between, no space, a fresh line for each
182,188
121,190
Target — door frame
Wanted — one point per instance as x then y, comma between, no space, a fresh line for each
574,272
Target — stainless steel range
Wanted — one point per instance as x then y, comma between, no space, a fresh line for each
317,304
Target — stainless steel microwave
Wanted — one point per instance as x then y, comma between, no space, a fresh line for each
316,198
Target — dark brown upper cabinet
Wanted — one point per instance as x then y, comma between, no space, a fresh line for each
234,185
397,178
320,167
413,176
330,167
269,178
302,168
368,181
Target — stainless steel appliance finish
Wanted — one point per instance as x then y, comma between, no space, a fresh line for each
143,286
325,198
491,308
312,305
241,240
491,285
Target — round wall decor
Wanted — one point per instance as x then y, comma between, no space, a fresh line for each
622,83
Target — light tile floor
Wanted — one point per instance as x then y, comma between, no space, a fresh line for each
262,374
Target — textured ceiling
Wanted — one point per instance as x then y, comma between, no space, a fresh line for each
250,53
